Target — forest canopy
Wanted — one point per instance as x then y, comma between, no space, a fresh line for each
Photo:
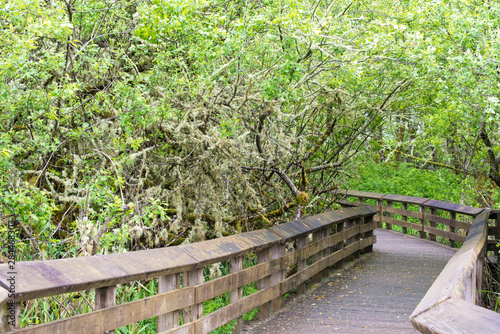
139,124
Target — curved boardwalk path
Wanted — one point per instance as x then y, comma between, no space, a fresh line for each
376,294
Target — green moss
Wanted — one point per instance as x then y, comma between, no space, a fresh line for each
302,198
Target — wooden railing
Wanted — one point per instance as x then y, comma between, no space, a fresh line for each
425,215
336,236
450,304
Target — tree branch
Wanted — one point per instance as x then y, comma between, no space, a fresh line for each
431,162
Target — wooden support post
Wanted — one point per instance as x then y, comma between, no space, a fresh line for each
264,256
360,200
340,245
357,237
378,216
277,252
348,225
332,248
105,297
168,320
326,252
9,312
236,264
318,235
423,210
4,314
301,264
388,215
366,235
405,218
193,312
17,315
432,236
453,216
4,310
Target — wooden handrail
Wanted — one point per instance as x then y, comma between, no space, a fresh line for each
449,305
337,235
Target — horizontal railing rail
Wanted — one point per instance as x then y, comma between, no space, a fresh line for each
310,245
449,306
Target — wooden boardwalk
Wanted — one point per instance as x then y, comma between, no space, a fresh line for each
376,294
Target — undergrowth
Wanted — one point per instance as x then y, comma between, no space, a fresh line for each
409,180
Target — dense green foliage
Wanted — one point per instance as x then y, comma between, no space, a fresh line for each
406,179
135,124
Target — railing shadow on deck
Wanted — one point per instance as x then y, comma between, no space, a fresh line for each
449,306
314,245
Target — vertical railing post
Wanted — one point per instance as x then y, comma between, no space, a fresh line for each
326,252
350,223
357,237
317,235
236,265
388,226
277,252
366,235
17,314
301,265
432,236
105,297
405,218
169,320
263,256
453,216
192,278
380,203
10,315
340,245
6,312
423,211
